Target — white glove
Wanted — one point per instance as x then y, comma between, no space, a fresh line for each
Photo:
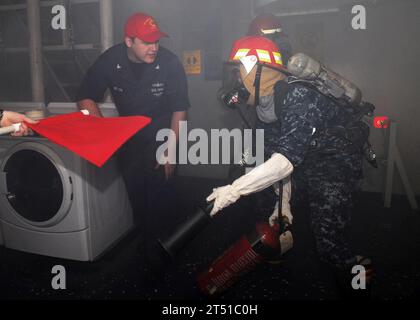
263,176
285,208
223,196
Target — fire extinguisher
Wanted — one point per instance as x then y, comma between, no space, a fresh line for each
264,243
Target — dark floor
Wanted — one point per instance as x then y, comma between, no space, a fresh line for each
390,236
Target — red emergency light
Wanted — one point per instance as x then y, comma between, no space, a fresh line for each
381,122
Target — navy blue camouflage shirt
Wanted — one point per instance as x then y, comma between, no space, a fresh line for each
301,136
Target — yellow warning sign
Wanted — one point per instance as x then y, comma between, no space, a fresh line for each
192,61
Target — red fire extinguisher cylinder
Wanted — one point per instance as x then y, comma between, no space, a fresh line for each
265,243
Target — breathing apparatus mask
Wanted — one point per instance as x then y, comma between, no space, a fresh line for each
251,88
233,93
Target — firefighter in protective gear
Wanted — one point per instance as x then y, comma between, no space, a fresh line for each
301,125
269,26
256,53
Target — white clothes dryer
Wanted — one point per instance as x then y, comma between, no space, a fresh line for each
54,203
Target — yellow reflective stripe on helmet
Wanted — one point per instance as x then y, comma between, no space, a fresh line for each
277,57
241,53
264,55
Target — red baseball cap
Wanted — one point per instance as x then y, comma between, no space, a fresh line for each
143,26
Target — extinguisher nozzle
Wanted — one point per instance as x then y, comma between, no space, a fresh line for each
166,249
185,232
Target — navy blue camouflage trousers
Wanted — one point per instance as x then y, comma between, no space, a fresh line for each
331,204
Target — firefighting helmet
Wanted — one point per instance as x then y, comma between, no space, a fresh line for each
244,77
264,24
252,50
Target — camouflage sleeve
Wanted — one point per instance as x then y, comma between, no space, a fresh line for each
304,110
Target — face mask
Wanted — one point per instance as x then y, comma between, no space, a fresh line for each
266,110
232,93
232,99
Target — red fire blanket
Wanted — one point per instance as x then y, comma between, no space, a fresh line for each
92,138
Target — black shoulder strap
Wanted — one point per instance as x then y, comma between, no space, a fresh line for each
280,91
257,83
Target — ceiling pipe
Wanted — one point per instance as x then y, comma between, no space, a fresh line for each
262,3
303,13
35,53
107,27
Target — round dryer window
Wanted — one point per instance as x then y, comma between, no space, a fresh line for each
35,184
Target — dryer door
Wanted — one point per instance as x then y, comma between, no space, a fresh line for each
36,185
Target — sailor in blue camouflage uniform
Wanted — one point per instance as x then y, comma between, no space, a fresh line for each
320,137
326,166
